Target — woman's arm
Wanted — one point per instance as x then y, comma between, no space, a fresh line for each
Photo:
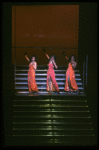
74,64
65,55
47,56
54,64
27,58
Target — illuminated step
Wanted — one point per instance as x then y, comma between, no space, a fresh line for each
43,74
60,83
24,87
45,92
50,100
54,122
45,70
78,79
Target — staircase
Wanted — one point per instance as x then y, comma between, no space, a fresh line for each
52,121
21,79
48,120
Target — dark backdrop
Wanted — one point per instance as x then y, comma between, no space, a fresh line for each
54,27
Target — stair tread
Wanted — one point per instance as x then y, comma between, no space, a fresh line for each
26,78
42,74
44,70
39,87
59,83
50,120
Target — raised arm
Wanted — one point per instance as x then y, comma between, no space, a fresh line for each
65,55
46,54
26,57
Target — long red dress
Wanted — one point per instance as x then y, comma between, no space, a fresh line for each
71,75
51,76
31,79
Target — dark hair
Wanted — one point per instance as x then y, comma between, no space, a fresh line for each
52,56
33,56
71,57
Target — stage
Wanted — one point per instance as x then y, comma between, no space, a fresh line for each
68,118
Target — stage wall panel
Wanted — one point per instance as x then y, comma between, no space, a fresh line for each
45,26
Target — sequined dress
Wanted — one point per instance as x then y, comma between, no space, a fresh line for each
31,79
71,76
51,81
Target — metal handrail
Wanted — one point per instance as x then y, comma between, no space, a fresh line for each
85,73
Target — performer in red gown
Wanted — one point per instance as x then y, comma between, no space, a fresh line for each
31,74
51,81
70,84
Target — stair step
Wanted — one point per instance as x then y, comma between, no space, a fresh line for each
54,140
43,88
44,120
50,133
53,122
44,70
53,126
78,79
51,100
42,74
68,109
44,83
26,92
50,106
51,114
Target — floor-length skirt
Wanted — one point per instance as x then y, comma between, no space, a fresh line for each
70,77
51,81
31,80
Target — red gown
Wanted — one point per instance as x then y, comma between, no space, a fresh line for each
31,79
51,76
70,73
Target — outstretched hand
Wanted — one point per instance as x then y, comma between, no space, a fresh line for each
25,53
43,50
63,53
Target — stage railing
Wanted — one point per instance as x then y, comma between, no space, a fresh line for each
85,73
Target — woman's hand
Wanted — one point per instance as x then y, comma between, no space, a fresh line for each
44,50
66,57
26,57
63,53
74,64
25,54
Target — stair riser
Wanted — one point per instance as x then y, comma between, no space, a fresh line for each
52,126
54,140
